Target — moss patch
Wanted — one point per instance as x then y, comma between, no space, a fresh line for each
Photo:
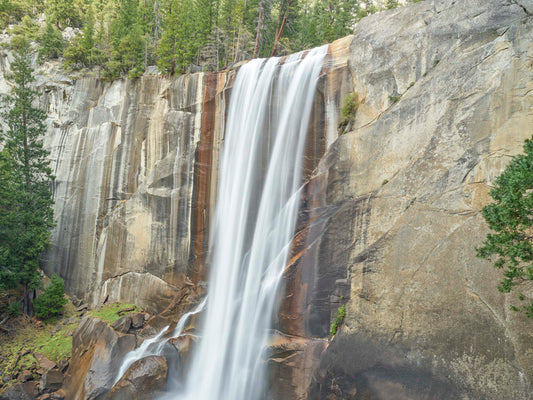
53,339
112,312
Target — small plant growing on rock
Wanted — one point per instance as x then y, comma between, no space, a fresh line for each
339,317
394,99
349,108
52,302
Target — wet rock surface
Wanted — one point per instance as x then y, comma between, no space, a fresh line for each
142,381
20,391
51,381
122,325
445,94
97,353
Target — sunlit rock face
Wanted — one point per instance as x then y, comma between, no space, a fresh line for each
388,220
446,97
133,186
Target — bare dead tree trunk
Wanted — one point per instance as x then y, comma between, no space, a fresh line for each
27,304
279,33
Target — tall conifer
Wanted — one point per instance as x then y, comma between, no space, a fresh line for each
26,214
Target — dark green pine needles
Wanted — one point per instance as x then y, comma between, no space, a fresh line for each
510,217
26,214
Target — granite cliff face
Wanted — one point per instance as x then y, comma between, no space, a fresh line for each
390,213
134,183
446,92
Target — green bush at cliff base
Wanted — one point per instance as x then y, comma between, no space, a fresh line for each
52,302
510,217
339,317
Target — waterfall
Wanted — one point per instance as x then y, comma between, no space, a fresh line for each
156,345
254,222
252,230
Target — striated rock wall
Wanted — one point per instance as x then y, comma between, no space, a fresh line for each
134,183
136,166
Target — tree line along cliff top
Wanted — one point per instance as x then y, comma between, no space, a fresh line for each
123,37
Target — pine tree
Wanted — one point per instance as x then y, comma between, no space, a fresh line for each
127,42
52,302
26,214
51,43
176,49
510,217
64,13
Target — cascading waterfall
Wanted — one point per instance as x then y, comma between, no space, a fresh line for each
156,345
254,222
252,230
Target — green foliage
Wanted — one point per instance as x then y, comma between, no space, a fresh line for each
12,11
18,42
51,43
123,37
348,111
392,4
13,310
510,217
75,55
177,47
52,302
54,341
113,312
84,50
394,99
349,108
64,13
339,317
27,28
26,214
126,36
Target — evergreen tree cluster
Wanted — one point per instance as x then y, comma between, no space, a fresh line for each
52,302
123,37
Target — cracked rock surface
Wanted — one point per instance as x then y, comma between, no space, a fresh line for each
446,92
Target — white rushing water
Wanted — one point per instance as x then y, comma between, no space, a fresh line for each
252,230
156,346
254,223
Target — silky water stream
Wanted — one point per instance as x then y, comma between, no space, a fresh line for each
252,229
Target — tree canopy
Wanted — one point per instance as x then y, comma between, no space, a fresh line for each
510,218
123,37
